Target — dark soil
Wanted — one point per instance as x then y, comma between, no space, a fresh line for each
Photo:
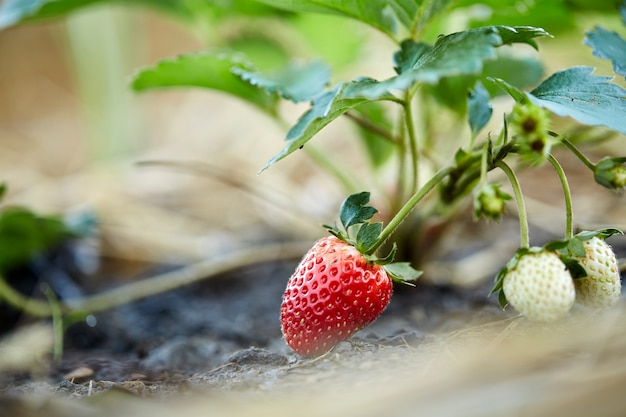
224,334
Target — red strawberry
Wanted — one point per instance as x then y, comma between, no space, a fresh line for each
333,293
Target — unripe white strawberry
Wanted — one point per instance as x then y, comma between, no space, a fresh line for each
539,286
602,286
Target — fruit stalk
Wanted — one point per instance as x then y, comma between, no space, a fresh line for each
408,207
519,198
569,213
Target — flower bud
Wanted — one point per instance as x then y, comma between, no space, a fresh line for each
490,202
529,125
611,173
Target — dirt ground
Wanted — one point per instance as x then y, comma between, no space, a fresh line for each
216,347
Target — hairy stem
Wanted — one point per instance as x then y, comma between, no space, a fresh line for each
569,213
521,207
578,153
57,321
372,127
412,141
408,207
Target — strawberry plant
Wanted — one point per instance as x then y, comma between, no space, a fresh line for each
414,158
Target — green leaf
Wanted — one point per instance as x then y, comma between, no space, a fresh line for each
479,108
367,235
334,39
393,17
297,82
207,70
3,190
409,54
517,94
461,53
24,234
521,72
589,99
354,209
325,108
608,45
402,272
15,11
550,14
520,34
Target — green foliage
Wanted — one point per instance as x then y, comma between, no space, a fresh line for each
355,214
554,15
396,18
355,210
208,70
521,72
13,12
461,71
590,99
16,11
479,108
298,82
325,108
24,234
608,45
461,53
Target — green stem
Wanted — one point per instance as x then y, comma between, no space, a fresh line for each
35,308
483,164
521,207
569,213
412,139
372,127
579,154
408,207
57,321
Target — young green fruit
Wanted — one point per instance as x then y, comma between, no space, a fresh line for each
333,293
539,286
601,287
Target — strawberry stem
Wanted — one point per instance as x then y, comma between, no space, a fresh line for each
408,207
569,213
521,207
412,139
578,154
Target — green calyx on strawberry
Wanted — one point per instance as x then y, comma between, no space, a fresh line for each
339,287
